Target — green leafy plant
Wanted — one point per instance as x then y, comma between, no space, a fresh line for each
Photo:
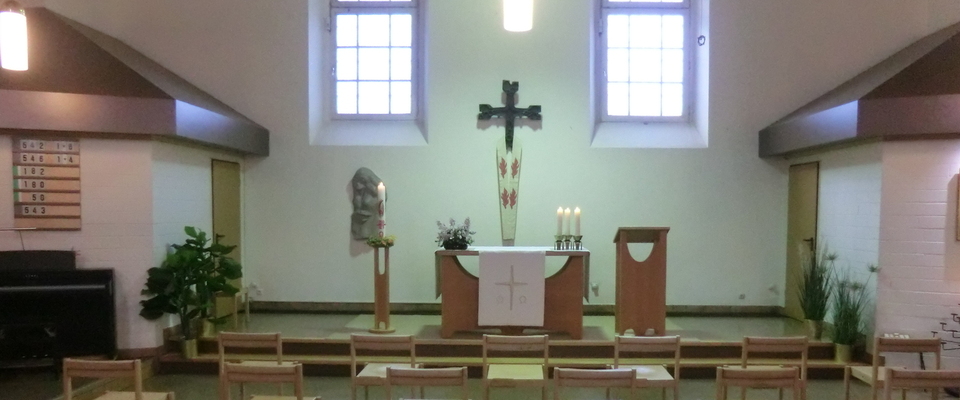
850,301
188,280
816,284
377,241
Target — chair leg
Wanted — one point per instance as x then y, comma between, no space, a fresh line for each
486,392
781,394
846,383
663,393
720,392
353,392
366,392
743,393
676,391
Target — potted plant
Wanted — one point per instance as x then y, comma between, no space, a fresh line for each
815,287
850,301
455,237
186,282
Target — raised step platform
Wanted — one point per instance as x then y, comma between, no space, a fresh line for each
331,357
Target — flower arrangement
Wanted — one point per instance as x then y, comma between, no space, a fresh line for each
377,241
455,237
850,300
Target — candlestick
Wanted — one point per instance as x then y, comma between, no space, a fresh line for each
566,218
381,200
576,217
560,221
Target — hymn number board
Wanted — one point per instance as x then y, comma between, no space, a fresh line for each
46,184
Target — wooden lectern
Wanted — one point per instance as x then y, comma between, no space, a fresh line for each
641,285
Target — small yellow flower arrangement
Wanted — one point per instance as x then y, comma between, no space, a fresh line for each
377,241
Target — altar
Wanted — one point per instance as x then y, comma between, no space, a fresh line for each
564,293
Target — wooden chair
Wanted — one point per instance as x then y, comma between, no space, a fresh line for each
260,373
651,376
254,344
798,346
875,374
109,369
919,379
597,378
516,375
432,377
375,374
761,377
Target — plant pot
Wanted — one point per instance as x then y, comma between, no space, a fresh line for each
814,328
842,353
189,348
455,245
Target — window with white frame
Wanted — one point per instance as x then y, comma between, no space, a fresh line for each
646,55
375,48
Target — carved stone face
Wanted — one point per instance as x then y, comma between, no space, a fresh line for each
364,218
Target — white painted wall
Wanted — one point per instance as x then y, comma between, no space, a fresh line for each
919,282
726,207
117,225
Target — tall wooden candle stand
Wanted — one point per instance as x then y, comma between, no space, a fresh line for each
381,292
641,285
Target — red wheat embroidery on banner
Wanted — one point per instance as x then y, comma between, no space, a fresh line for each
516,168
503,167
513,197
505,198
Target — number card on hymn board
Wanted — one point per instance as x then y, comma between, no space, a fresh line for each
46,183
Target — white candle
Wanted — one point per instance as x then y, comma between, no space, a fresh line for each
381,200
566,217
560,221
576,218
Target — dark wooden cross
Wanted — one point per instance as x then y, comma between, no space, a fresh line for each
510,111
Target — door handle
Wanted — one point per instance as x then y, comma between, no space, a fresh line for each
812,243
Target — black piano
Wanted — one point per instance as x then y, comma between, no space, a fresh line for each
49,309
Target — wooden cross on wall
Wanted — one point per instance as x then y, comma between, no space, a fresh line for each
510,111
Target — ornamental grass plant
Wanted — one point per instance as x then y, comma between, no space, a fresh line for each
816,284
850,301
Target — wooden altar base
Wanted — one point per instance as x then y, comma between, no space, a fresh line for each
321,343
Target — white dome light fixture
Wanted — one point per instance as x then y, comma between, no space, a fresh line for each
13,36
518,15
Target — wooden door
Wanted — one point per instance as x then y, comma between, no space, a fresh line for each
225,176
801,228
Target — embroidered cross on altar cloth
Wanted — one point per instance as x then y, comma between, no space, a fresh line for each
511,286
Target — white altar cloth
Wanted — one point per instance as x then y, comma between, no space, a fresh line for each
511,286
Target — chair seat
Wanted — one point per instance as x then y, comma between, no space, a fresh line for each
131,396
863,373
655,375
376,373
515,375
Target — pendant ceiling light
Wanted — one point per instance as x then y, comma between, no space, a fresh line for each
517,15
13,36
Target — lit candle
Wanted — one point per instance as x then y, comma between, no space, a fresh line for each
560,221
381,200
566,217
576,218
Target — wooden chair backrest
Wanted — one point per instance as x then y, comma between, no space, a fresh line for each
101,369
531,344
368,344
773,377
903,345
235,340
918,379
647,344
244,373
780,345
435,377
608,378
